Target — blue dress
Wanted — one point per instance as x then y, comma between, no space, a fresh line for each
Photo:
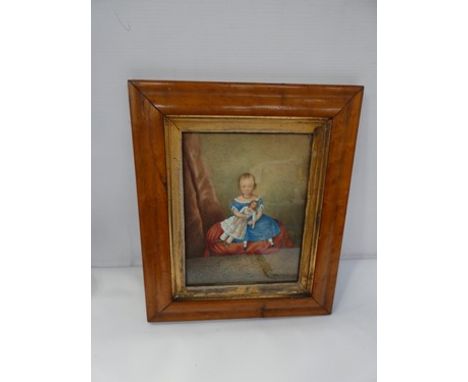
265,228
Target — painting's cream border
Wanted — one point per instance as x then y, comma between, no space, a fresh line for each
174,126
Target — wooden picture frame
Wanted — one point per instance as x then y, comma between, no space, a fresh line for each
162,110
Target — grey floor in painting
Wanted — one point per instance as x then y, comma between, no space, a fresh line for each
276,267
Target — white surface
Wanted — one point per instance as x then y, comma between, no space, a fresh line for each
340,347
317,41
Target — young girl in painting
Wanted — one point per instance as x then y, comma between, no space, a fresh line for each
258,225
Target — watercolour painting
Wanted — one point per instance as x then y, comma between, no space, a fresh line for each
244,206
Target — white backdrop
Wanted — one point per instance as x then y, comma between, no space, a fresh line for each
315,41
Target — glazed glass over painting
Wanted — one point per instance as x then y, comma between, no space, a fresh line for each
244,205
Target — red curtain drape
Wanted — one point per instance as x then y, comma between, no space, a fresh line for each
201,205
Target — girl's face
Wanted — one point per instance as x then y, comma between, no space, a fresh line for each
246,186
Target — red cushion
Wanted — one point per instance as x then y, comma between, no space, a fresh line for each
215,247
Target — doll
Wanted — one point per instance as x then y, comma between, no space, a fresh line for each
235,227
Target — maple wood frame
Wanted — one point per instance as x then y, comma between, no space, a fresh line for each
156,105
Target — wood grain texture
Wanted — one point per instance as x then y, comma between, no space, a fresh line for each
152,101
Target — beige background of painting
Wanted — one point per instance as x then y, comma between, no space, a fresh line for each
279,162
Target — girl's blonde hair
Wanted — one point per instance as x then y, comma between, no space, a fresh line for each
247,175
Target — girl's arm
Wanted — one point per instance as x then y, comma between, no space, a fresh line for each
259,214
238,214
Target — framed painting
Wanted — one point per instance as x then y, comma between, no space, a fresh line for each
242,192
